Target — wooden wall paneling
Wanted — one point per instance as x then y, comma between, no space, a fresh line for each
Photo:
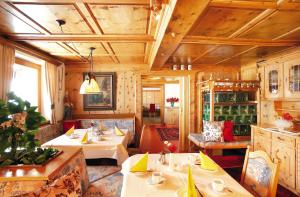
46,14
121,19
130,97
131,59
138,107
121,92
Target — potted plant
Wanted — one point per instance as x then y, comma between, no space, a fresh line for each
19,122
172,100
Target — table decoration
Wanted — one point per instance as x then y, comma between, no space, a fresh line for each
207,163
284,122
172,100
85,138
19,122
70,131
141,165
191,188
118,131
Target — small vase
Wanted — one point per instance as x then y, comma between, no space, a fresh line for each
172,104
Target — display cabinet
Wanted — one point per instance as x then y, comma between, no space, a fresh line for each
274,81
231,100
292,79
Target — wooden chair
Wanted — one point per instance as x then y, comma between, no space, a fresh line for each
260,175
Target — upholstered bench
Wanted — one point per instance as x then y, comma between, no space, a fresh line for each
224,161
199,141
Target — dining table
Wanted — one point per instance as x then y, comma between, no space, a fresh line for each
109,146
136,184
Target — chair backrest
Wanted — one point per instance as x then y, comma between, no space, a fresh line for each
152,107
260,175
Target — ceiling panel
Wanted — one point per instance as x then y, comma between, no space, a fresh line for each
121,19
9,24
84,48
221,53
181,59
50,47
128,48
46,16
254,54
103,60
275,25
222,22
192,49
293,36
131,59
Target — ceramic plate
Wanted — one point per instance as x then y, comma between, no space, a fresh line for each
226,190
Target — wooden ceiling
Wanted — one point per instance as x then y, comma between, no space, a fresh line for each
206,32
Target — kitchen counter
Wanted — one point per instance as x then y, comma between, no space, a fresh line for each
272,128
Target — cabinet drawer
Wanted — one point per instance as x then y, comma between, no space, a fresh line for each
261,143
262,133
284,140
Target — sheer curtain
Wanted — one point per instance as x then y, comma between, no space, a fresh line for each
51,85
7,60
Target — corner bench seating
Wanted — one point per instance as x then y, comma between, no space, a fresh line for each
223,161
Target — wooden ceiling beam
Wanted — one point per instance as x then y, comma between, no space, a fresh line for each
110,2
262,5
183,16
237,41
82,38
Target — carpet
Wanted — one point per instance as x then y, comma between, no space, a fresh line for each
168,134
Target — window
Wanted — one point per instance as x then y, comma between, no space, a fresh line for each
26,82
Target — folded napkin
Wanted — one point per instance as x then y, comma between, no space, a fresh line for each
191,188
118,131
141,165
102,127
85,138
207,163
70,131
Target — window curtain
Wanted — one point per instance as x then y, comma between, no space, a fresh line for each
51,86
7,60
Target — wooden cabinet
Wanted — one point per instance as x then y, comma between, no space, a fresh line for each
292,79
298,166
273,81
262,141
284,148
172,115
287,157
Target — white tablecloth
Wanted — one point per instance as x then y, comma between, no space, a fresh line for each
135,185
111,147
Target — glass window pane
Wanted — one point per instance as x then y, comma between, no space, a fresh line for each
25,83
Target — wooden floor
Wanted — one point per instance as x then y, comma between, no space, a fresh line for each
150,139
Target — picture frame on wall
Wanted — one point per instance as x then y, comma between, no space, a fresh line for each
106,99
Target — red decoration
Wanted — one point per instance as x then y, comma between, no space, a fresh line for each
287,116
173,100
228,131
170,147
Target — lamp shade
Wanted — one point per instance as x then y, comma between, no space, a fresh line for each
89,86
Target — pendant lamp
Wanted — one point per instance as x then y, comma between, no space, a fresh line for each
90,85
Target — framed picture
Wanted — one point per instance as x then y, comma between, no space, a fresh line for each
106,99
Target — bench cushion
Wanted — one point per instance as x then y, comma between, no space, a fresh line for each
198,139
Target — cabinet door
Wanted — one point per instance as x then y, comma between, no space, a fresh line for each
261,71
273,81
292,79
261,143
287,157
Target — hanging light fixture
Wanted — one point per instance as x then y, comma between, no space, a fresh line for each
90,85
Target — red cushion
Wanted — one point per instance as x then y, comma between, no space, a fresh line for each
228,131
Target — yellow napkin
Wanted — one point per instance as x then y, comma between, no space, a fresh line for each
207,163
118,131
70,131
85,138
141,165
102,127
191,190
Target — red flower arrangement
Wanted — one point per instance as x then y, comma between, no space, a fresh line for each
173,100
170,147
287,117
